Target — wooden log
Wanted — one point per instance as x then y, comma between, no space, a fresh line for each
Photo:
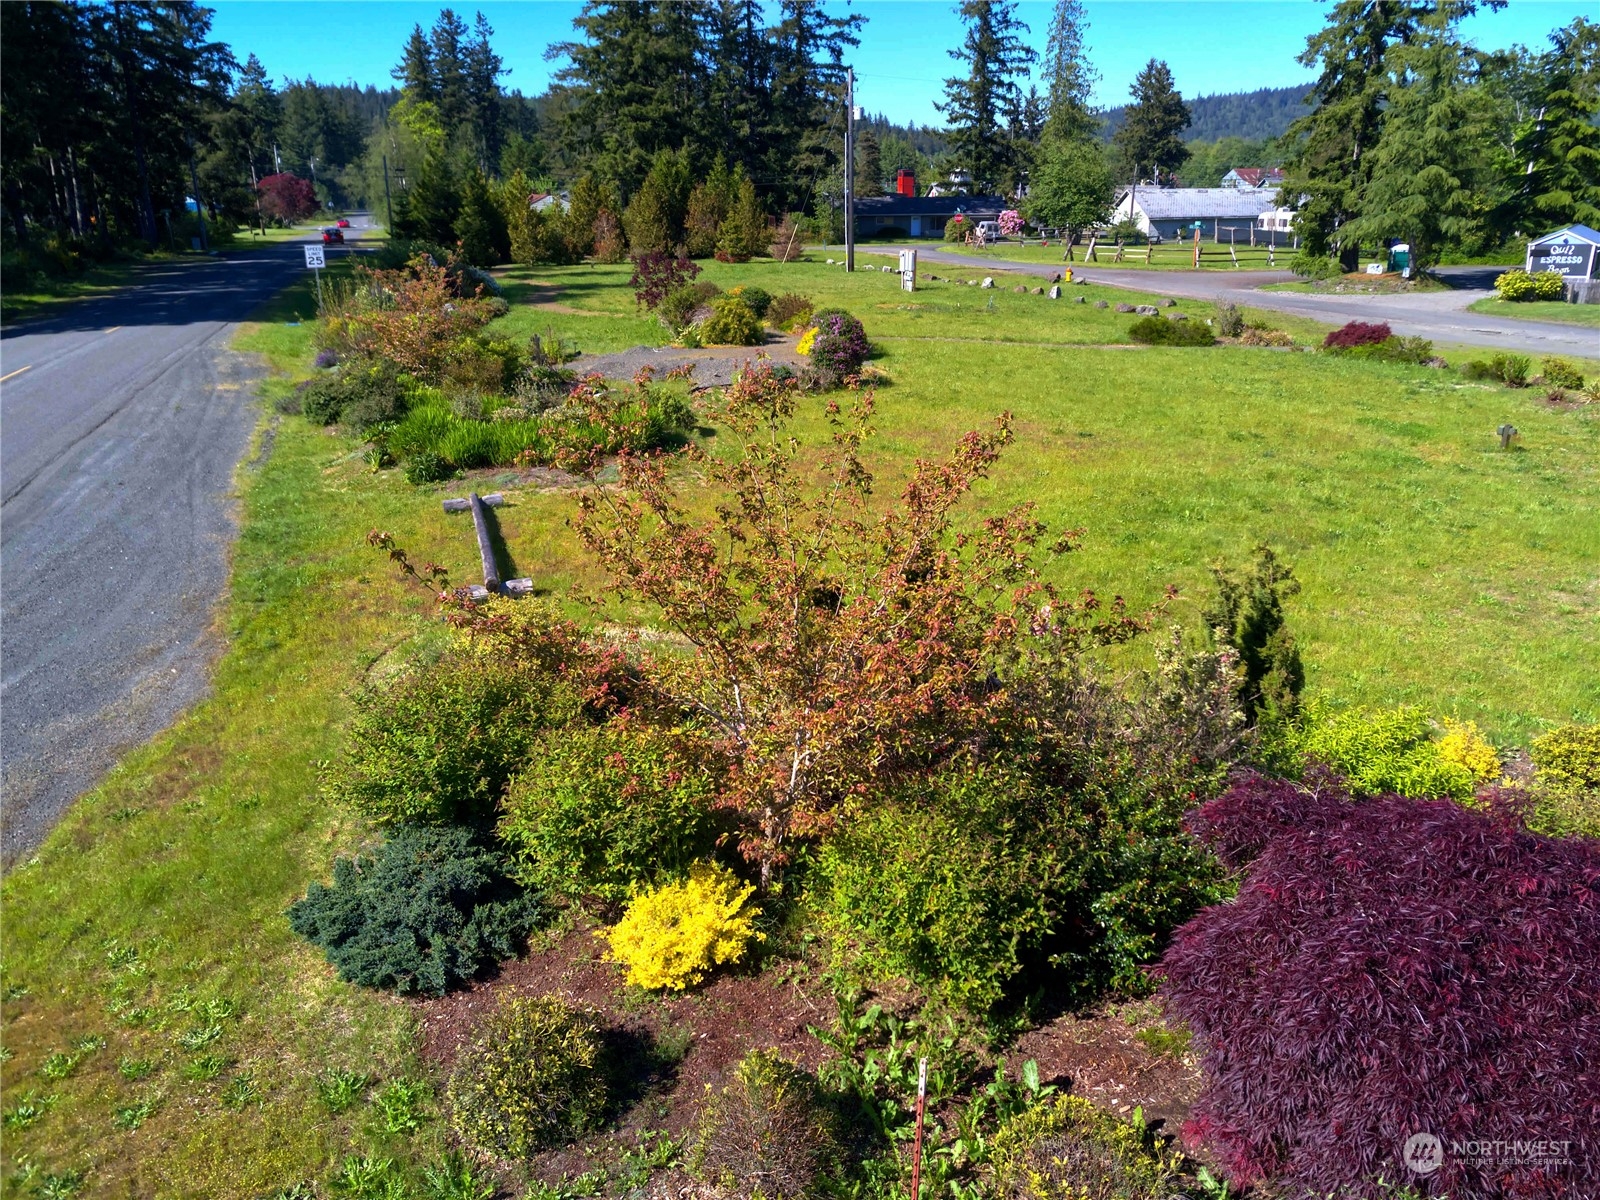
493,500
480,521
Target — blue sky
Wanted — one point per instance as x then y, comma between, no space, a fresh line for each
1211,45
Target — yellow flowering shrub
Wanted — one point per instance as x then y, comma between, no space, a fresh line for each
807,340
671,936
1465,746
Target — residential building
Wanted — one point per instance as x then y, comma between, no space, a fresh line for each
921,216
1253,177
1221,214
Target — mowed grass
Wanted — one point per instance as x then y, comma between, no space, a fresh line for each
1169,256
1541,310
1437,570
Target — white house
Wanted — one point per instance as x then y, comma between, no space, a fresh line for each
544,201
1221,214
1253,177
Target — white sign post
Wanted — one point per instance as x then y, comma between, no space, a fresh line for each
315,261
908,270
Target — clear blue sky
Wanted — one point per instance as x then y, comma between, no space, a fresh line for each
1212,45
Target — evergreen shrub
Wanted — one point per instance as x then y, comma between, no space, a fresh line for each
766,1133
603,809
532,1077
672,936
425,911
1315,266
758,298
359,394
1230,321
1157,331
439,744
1391,966
731,323
1068,1149
1558,372
1566,793
789,310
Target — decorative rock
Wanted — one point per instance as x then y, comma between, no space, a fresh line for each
1082,299
988,282
830,262
886,270
1056,278
1145,310
1124,308
1055,293
1021,289
972,283
1038,291
1169,303
1099,303
1177,316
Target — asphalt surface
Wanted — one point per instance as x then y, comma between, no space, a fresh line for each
122,419
1437,316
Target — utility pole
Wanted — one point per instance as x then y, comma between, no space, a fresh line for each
850,169
388,208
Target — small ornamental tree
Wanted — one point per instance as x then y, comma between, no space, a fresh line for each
657,274
286,198
829,640
1011,222
1393,967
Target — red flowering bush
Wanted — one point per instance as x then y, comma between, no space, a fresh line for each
1393,967
1357,333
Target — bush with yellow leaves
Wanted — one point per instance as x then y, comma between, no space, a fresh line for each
672,936
1464,745
807,340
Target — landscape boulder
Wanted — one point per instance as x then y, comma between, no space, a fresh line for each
1143,310
1124,308
1038,291
1102,304
1177,316
988,282
1169,303
1081,299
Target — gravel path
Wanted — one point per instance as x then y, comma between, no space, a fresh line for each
714,366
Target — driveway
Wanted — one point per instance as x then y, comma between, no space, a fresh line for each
124,418
1438,316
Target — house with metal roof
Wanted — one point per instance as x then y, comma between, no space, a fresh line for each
1176,212
920,216
1253,177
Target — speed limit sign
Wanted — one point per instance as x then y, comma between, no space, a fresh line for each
314,257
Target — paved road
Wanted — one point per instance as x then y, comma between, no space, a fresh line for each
123,419
1438,316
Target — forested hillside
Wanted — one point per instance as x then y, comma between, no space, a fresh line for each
1254,116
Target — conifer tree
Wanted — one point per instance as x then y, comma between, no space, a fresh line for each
654,217
482,69
1556,154
1069,76
448,54
869,165
744,231
415,72
982,106
1149,137
480,227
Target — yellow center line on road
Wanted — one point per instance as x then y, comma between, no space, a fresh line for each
15,373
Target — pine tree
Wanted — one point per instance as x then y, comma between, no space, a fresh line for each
589,199
654,217
807,141
744,231
433,202
982,106
1556,153
709,205
1149,137
448,51
415,72
1069,77
482,69
869,165
480,227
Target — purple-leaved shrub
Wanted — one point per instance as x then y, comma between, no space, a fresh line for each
1357,333
1393,967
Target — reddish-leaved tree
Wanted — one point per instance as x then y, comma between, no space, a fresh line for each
287,198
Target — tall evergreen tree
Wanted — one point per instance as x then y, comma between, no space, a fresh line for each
415,72
483,69
807,141
981,106
1556,153
447,51
869,165
1149,139
1069,76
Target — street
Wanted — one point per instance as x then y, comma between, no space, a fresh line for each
124,418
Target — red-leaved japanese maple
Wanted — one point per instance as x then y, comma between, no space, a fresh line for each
826,640
1393,967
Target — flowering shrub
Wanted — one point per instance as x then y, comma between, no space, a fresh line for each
410,316
1391,967
1357,333
599,810
1464,746
1519,285
530,1078
657,274
839,348
1010,222
672,936
808,339
1069,1148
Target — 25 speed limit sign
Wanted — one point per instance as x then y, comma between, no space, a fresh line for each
314,257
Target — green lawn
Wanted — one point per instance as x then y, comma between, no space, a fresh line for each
1169,256
1540,310
1438,570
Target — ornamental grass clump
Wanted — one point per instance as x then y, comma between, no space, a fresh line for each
765,1133
1392,967
672,937
532,1077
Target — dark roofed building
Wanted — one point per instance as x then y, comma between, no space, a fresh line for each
920,216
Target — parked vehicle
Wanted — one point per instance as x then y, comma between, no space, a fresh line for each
332,237
989,231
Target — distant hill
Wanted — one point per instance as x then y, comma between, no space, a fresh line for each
1254,116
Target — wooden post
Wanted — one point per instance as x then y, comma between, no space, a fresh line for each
916,1145
1149,249
1118,256
1197,245
1088,255
480,521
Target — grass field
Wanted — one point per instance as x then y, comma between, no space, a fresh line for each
1540,310
1169,256
1437,569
